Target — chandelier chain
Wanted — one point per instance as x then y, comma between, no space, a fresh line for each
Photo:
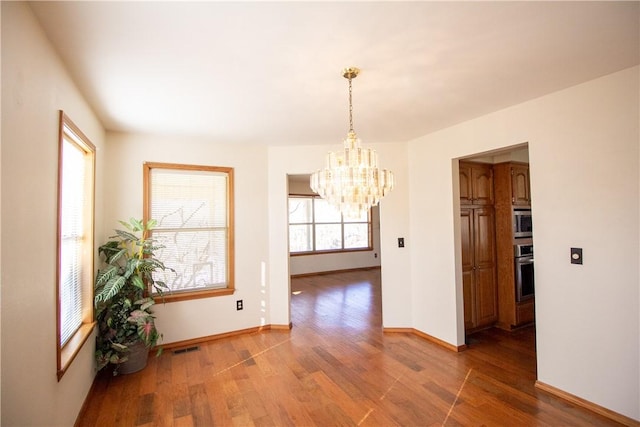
350,108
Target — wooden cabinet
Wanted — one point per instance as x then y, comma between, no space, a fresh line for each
512,186
525,312
520,187
478,267
511,191
476,184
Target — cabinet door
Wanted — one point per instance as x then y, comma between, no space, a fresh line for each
486,292
482,179
466,186
486,301
484,232
468,279
479,287
467,238
520,193
468,293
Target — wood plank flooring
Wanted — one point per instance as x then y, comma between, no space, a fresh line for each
336,368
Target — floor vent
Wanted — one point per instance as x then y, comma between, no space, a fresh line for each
186,350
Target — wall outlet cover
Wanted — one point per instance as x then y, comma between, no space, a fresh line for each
576,255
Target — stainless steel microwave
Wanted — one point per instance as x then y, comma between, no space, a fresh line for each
522,223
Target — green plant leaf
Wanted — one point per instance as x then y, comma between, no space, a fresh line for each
130,268
110,250
147,304
105,275
110,246
115,255
111,288
136,224
137,282
138,316
147,331
126,236
119,347
160,286
115,358
101,359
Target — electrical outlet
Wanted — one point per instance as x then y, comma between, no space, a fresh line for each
401,242
239,305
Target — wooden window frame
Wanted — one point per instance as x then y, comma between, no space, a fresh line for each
342,223
65,354
205,293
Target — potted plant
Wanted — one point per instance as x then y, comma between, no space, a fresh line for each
126,326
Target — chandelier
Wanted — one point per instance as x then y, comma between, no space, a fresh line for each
351,180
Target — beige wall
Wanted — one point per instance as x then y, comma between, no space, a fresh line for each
185,320
584,159
35,85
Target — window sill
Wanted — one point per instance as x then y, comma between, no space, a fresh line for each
184,296
67,353
332,251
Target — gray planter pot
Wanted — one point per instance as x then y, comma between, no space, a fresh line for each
138,355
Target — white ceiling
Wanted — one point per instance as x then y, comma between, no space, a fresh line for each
270,72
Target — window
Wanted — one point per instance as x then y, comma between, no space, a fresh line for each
315,226
193,206
76,164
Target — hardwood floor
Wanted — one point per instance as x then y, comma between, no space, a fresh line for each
336,368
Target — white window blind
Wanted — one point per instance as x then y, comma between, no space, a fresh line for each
74,284
192,211
300,224
71,237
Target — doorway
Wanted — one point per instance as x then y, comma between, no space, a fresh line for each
357,246
496,238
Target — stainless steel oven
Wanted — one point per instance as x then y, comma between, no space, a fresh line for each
524,277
